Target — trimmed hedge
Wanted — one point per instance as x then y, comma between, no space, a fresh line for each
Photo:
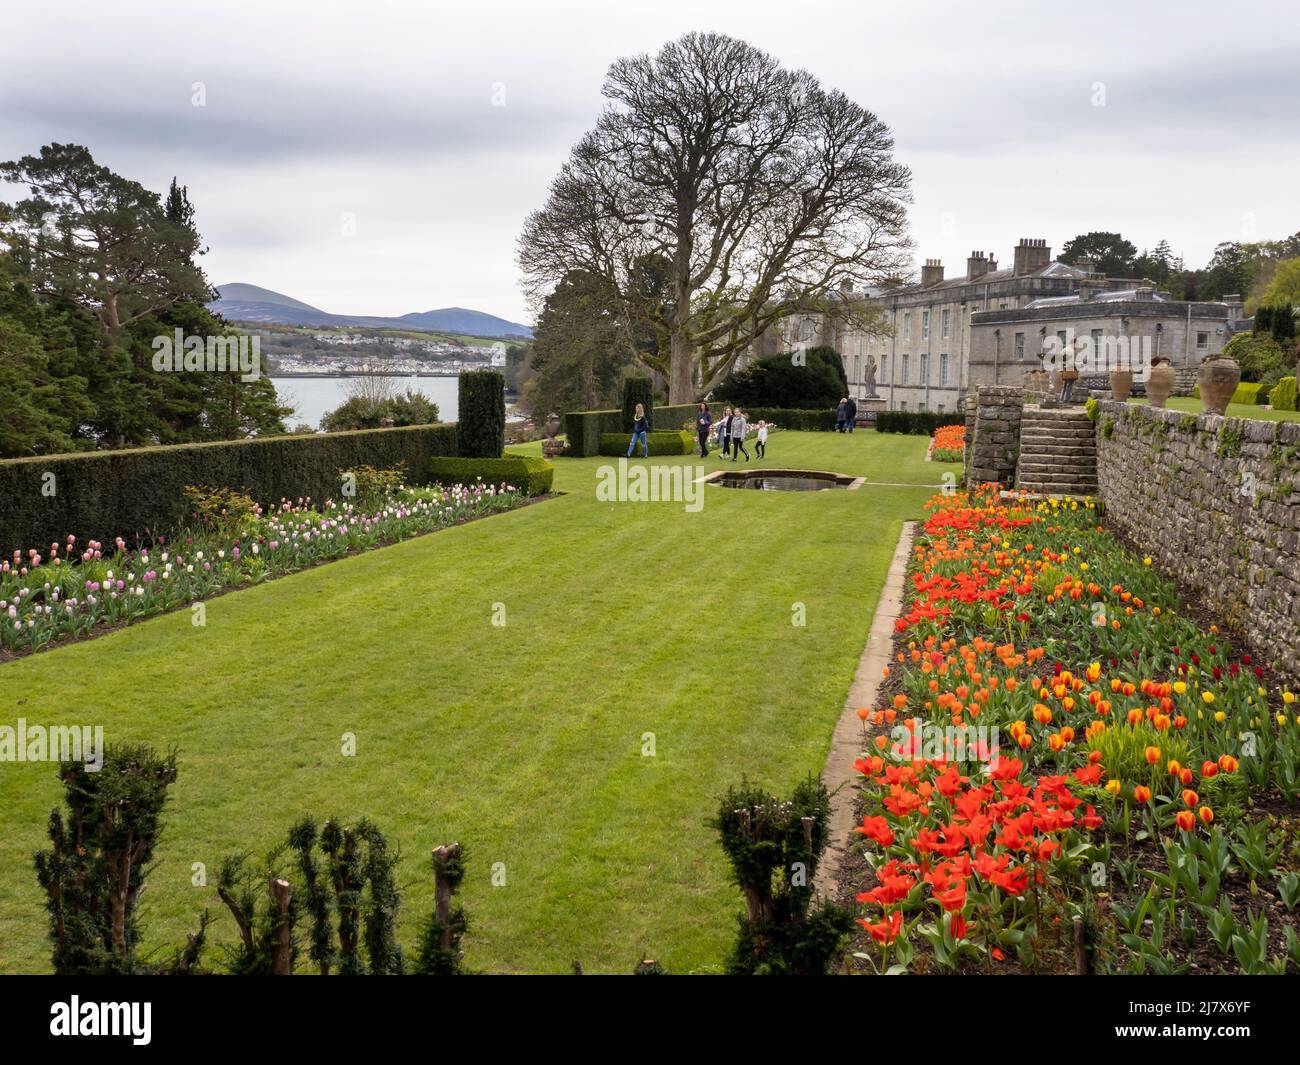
637,390
674,442
916,421
808,421
521,471
482,402
1283,395
1248,393
139,493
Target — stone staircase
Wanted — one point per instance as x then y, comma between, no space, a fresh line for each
1058,452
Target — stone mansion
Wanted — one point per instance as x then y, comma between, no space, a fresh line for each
941,337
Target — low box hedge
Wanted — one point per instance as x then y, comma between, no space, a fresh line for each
138,493
662,442
519,471
923,422
808,421
1283,396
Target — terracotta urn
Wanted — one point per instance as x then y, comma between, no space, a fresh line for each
1121,384
552,425
1160,382
1218,379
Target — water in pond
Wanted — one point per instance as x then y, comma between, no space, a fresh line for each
782,482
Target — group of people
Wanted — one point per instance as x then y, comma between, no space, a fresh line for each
729,432
846,415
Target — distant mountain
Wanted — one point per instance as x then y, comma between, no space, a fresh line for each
251,303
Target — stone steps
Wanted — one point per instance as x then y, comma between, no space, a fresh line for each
1058,453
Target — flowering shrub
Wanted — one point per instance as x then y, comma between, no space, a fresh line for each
1052,704
948,443
76,588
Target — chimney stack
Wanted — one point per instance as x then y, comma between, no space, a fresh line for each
931,272
1031,256
978,265
1087,264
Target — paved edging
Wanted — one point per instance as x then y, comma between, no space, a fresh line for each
838,774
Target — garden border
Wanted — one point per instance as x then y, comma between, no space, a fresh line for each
838,772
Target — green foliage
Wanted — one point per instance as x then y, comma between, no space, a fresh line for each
807,380
439,952
924,422
1108,427
224,511
360,412
140,493
370,486
100,853
637,390
519,471
668,442
768,839
1258,354
482,429
1091,407
1111,253
1283,396
813,421
244,888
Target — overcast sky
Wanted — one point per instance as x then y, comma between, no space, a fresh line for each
387,113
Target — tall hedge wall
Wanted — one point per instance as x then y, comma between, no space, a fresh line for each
584,428
138,493
637,390
482,431
916,421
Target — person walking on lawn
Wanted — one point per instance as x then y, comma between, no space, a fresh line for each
760,447
640,426
726,432
840,412
703,423
738,435
850,413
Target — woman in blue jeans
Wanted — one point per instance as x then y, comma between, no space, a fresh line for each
640,426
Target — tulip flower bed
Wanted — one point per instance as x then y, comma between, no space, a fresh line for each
1069,772
948,444
77,591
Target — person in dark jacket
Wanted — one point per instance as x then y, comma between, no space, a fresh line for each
640,426
703,424
850,413
840,412
726,433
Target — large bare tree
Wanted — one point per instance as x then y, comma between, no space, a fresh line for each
762,192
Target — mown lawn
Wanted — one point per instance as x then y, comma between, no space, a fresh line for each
523,741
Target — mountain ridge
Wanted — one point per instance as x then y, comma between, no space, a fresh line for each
239,301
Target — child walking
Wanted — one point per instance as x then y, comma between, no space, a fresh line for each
738,435
760,446
640,426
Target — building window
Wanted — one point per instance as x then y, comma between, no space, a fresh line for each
925,368
903,405
943,369
884,368
857,367
1202,341
925,325
907,325
940,408
905,362
1098,345
945,325
807,329
1020,346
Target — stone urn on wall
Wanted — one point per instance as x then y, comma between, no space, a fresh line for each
1121,384
1160,382
1218,380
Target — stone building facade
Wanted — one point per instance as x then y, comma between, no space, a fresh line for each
939,338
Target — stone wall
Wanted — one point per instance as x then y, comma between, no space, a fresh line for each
1216,502
994,443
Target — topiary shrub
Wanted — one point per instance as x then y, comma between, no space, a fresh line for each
637,390
1258,354
525,472
482,429
1283,396
805,380
668,442
774,847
